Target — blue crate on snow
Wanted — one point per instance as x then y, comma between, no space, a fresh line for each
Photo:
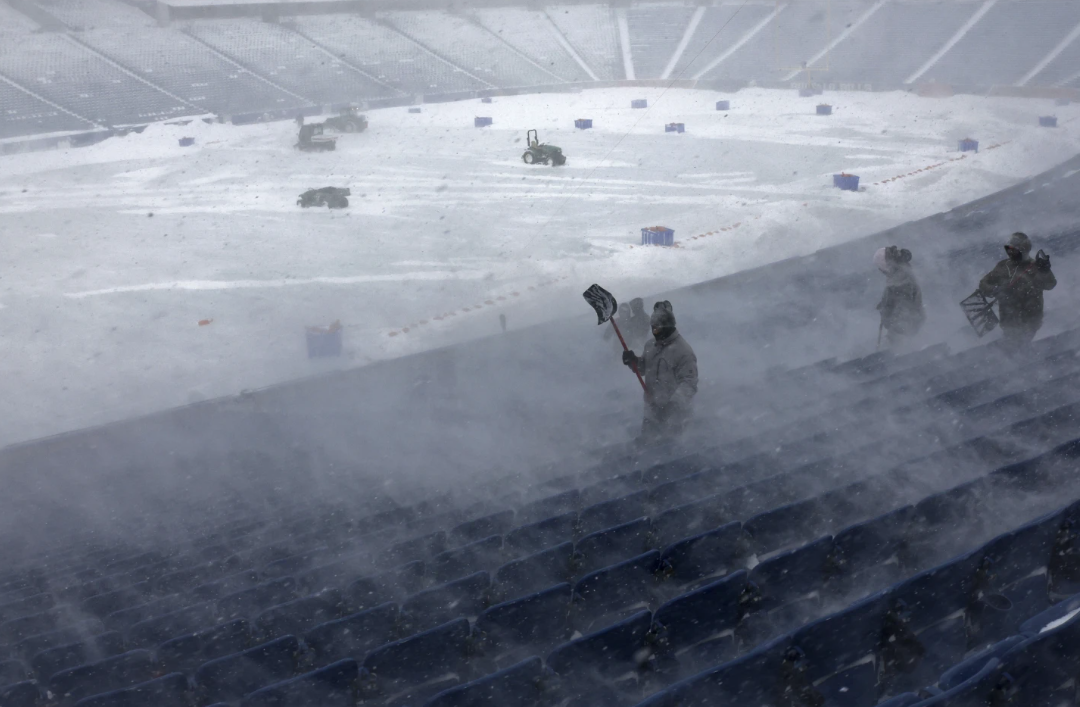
1048,121
187,141
481,122
824,109
583,123
639,103
969,145
485,100
846,182
657,235
675,128
414,110
723,105
323,341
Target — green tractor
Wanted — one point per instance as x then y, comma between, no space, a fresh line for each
536,153
349,121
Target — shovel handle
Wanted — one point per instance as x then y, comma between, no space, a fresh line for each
627,348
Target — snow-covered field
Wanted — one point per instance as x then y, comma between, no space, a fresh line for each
114,254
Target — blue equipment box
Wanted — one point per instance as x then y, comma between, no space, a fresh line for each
723,105
414,110
969,145
657,235
639,103
846,182
324,340
824,109
482,122
485,100
583,123
675,128
1048,121
187,141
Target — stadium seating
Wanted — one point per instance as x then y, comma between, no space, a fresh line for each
58,69
290,60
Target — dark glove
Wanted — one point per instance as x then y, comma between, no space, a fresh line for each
1042,261
629,358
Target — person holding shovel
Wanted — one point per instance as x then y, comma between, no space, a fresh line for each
668,367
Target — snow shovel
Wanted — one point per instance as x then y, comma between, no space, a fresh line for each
980,313
605,305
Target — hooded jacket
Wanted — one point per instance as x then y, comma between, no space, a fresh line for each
901,305
669,368
1019,286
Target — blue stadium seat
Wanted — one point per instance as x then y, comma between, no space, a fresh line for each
911,661
700,616
334,685
556,505
785,525
419,658
12,671
480,528
474,557
1063,610
110,602
964,670
534,572
177,623
690,519
354,635
1015,555
126,618
33,604
616,588
296,616
410,550
167,691
611,513
860,551
604,654
906,699
974,692
1041,670
21,694
248,602
369,592
333,575
995,616
520,685
467,596
19,629
119,671
537,622
185,653
53,660
752,679
781,591
72,633
541,534
233,676
229,584
834,656
611,545
712,553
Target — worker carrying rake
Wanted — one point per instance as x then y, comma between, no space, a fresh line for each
667,369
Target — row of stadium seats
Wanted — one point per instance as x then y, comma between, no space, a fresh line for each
332,59
617,540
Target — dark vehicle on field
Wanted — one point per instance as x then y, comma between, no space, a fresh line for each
330,197
349,121
311,139
537,153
